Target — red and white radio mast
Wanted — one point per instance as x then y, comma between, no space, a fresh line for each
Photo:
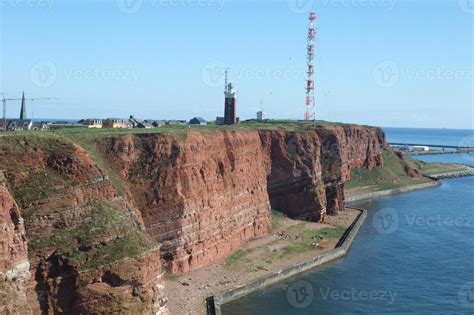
310,100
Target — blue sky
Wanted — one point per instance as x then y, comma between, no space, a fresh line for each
379,62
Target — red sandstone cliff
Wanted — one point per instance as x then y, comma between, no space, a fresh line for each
87,252
307,170
202,197
14,265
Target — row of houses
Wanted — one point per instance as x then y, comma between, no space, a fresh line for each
22,124
134,122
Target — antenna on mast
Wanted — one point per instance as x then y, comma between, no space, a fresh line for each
310,102
226,76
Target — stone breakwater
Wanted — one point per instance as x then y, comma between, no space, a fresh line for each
215,302
468,171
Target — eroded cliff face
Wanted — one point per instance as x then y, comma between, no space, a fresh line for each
82,239
14,264
307,170
202,197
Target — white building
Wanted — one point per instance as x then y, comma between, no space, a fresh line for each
261,115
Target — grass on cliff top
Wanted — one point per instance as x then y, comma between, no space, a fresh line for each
178,130
21,154
107,236
89,138
13,143
391,176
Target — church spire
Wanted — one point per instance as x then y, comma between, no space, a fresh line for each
23,107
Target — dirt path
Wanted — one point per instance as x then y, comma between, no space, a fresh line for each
291,242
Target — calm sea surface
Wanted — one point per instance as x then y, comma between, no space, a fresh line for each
414,254
455,137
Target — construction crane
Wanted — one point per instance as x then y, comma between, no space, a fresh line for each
4,101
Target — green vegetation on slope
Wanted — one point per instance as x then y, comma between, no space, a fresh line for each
88,140
392,175
234,257
107,236
35,182
434,168
277,218
88,235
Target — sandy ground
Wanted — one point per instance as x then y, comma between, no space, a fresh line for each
187,292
